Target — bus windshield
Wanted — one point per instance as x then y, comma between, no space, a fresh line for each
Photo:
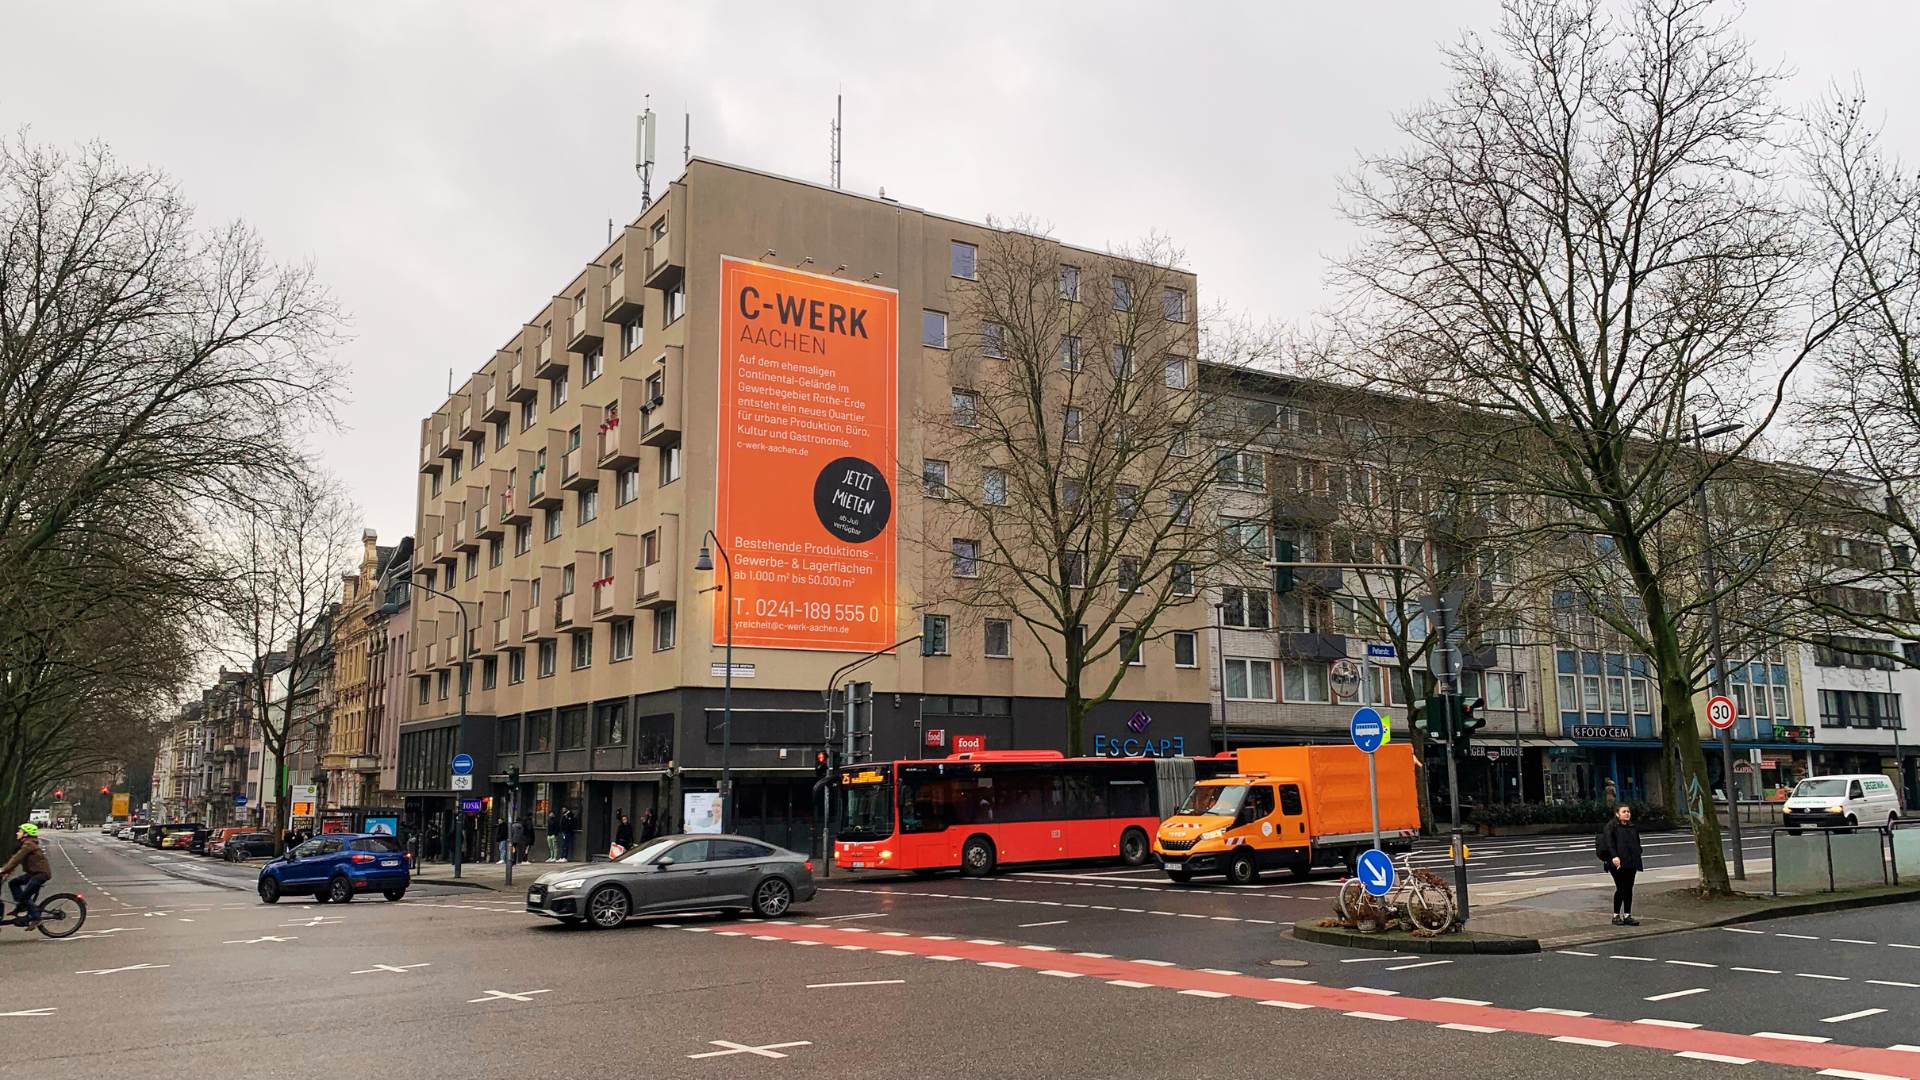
1223,800
866,810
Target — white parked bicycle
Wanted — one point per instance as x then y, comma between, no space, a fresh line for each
1419,896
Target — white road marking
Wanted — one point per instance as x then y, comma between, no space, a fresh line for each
1462,1001
1642,959
1849,1074
31,1012
1738,930
1205,993
1424,964
258,940
767,1051
1677,994
118,970
1702,1055
1853,941
398,970
1218,971
870,982
1560,1012
1692,963
863,915
1578,1041
1892,982
1129,984
1060,974
1789,1037
1001,964
502,995
1844,1017
1798,937
1370,1015
1371,990
1478,1029
1758,971
1369,959
1829,978
1153,963
1681,1024
1575,952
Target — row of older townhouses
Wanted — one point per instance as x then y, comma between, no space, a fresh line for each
566,487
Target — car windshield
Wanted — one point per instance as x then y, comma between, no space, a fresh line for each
866,812
647,852
1223,799
1826,787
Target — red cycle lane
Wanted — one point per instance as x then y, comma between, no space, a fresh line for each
1695,1042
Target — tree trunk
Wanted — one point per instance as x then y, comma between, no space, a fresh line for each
281,809
1677,724
1076,710
1417,740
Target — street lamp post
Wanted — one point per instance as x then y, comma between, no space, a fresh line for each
705,563
466,643
1719,655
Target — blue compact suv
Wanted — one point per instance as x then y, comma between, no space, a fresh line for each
336,867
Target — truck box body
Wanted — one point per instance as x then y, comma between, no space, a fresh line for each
1334,781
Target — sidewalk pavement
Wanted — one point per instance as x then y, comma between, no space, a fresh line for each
487,875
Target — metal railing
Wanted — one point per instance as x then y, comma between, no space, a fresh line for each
1832,858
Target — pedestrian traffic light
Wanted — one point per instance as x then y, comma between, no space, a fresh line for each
59,793
1283,580
821,765
104,789
513,776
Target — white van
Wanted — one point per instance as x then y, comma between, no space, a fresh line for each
42,818
1851,799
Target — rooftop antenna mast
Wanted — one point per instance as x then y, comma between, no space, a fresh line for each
686,145
836,140
643,152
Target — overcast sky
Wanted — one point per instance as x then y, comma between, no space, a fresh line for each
449,165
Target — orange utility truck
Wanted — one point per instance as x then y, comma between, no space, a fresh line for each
1292,807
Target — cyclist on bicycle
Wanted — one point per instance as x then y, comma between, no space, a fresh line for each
35,872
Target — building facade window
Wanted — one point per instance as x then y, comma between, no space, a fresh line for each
590,366
993,341
549,653
1248,679
1305,682
933,328
516,666
966,558
620,640
669,463
966,408
1069,353
999,638
540,732
993,487
556,392
1070,424
1173,305
522,539
589,505
626,486
1122,294
963,260
1246,609
610,724
676,302
1070,283
1175,369
572,733
1859,709
1186,649
1133,647
529,412
582,649
552,524
665,627
933,477
633,334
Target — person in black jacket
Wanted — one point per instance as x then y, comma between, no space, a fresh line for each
623,832
1619,850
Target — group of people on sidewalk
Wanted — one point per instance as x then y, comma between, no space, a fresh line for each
514,839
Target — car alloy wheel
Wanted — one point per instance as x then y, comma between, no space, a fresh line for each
607,907
772,899
340,890
269,890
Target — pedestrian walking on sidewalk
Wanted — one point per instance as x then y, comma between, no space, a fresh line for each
521,835
569,824
555,823
649,826
623,830
1619,851
502,842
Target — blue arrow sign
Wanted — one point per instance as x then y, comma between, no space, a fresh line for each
1375,870
1367,730
462,764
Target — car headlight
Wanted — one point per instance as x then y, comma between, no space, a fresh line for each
1838,808
565,884
1214,834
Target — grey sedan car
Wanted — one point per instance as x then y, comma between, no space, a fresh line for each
677,873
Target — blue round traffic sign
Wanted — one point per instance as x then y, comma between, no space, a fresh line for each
1375,871
462,764
1367,730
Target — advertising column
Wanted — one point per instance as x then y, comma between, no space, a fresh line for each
808,405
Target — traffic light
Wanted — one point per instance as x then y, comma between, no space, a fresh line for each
104,789
1473,717
59,793
1283,580
821,765
513,776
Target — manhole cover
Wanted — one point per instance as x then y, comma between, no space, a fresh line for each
1287,963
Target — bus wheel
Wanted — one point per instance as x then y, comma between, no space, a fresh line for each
976,857
1241,871
1134,849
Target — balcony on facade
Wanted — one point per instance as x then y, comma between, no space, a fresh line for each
666,247
622,296
1296,645
520,385
660,407
658,577
429,455
447,446
514,505
1304,508
618,442
585,328
472,429
487,523
575,473
543,488
466,532
493,402
549,360
613,594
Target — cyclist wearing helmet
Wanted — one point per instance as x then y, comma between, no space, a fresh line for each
35,872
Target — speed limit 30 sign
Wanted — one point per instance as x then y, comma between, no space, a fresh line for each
1720,712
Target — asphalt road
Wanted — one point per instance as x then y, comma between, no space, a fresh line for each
1066,972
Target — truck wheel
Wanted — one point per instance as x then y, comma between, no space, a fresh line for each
1134,849
1351,860
1299,869
1241,871
976,857
1179,877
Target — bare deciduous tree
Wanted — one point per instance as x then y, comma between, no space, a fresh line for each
1084,484
148,369
1587,241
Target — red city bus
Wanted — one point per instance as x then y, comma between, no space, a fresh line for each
977,811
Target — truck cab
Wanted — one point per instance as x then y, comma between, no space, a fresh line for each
1236,826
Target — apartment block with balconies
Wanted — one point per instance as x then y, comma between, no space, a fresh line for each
570,548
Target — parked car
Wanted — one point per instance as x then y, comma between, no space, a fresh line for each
1848,799
110,828
197,843
677,873
137,832
217,841
242,846
337,867
174,834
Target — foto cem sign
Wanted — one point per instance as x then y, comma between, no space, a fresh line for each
1375,869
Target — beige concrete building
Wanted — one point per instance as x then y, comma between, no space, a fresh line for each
566,487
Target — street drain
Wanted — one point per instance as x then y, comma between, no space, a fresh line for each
1287,963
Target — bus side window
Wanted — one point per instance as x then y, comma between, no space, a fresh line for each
1290,800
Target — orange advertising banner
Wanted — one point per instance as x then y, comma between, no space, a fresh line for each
809,387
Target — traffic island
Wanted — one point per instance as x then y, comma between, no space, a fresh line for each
1456,943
